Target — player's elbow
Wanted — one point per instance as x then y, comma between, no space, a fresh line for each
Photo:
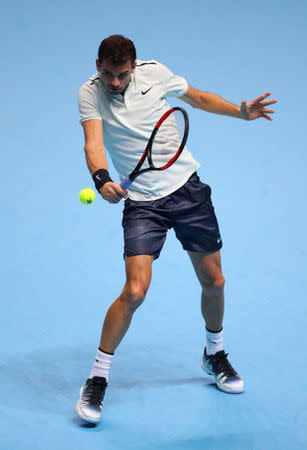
196,105
192,101
193,97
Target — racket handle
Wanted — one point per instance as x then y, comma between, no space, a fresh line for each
125,183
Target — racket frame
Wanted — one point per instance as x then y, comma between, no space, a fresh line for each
147,152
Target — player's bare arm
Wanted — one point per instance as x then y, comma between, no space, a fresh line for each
215,104
95,155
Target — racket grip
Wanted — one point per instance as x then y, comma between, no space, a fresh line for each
125,183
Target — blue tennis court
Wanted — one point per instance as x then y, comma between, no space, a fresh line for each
62,262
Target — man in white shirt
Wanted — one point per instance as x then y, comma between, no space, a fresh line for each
119,107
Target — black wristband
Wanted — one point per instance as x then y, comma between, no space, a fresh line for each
101,177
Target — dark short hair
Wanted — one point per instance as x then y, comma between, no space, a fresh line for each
117,49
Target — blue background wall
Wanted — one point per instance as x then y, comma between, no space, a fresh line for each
62,264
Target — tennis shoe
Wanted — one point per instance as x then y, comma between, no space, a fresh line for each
227,379
89,406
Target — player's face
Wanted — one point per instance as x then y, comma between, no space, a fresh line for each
115,79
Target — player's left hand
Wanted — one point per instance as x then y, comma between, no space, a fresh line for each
256,108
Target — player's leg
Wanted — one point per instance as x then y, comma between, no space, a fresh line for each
116,324
144,234
196,227
119,315
209,273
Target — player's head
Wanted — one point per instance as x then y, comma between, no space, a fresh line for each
116,63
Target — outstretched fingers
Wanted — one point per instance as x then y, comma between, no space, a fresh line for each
270,102
262,97
265,113
266,116
259,100
257,108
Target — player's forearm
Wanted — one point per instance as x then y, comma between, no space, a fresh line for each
95,158
217,105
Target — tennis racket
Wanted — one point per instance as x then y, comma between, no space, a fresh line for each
165,144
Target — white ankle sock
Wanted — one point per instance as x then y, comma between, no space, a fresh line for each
214,342
101,365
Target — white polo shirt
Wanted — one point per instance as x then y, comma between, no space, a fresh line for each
128,122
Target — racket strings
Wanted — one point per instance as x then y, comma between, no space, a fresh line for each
168,139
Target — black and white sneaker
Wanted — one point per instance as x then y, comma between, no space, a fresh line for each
89,407
227,379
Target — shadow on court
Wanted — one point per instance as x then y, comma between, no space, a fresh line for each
50,380
241,441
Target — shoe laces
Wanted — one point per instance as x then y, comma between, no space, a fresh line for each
221,364
94,390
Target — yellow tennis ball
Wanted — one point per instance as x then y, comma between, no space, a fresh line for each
87,196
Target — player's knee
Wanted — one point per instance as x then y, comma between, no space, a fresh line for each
135,293
216,283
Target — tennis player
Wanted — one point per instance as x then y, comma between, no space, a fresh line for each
119,106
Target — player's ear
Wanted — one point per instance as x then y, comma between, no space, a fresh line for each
134,66
98,65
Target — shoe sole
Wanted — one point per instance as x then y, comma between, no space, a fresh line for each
221,388
86,418
81,415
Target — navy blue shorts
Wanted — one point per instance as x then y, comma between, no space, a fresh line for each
188,210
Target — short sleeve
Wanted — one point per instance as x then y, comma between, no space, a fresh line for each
174,85
88,105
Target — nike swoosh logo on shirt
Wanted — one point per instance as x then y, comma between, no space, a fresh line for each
145,92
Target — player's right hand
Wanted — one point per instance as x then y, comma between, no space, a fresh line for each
112,192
